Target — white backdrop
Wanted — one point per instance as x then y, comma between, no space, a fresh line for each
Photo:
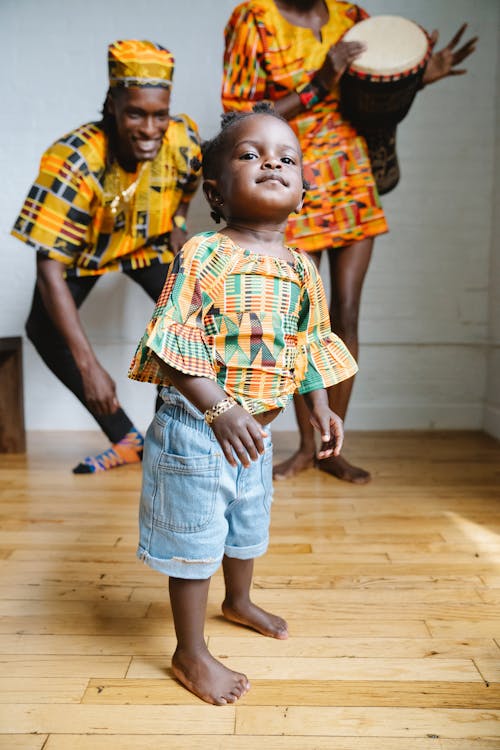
430,328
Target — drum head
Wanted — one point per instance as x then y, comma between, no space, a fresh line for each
394,45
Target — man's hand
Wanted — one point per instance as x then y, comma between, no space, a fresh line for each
337,60
100,390
442,63
237,432
98,386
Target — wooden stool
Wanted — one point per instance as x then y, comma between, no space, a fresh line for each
12,434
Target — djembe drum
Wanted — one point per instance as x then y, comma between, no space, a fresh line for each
377,90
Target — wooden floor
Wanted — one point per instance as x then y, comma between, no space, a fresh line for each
391,591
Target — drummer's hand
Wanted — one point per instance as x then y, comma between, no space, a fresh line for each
442,63
337,60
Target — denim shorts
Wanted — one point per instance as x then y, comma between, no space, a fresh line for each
195,507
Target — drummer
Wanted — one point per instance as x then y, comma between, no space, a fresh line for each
342,213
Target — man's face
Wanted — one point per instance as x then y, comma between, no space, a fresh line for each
142,117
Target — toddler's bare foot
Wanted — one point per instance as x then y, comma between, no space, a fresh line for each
338,467
300,461
256,618
208,678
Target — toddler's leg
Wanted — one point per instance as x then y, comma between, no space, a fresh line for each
192,663
237,605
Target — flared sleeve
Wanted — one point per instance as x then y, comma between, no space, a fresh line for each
176,332
323,359
244,79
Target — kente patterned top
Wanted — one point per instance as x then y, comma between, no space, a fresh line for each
266,57
142,64
256,324
95,217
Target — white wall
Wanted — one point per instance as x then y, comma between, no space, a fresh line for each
429,343
492,405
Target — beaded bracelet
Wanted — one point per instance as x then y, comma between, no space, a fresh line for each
219,408
311,93
180,222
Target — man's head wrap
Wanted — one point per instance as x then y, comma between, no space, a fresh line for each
142,64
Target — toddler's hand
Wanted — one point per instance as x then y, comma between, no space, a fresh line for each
331,428
239,433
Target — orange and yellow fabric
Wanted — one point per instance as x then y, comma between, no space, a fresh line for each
139,63
256,324
266,58
72,214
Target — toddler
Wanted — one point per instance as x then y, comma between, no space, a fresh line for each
242,323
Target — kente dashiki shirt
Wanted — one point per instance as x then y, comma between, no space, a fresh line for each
76,212
266,58
256,324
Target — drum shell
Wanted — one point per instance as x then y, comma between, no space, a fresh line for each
377,105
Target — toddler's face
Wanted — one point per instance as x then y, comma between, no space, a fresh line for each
261,178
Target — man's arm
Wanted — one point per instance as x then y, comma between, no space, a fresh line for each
99,387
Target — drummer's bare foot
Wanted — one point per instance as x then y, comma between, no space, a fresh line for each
338,467
256,618
207,678
301,460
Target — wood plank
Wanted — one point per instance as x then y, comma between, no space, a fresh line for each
23,742
489,668
215,624
413,584
490,596
429,649
343,668
251,644
63,592
36,665
464,628
234,742
64,689
83,719
62,608
323,606
368,722
297,692
107,645
339,594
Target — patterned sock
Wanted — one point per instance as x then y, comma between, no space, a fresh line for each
127,451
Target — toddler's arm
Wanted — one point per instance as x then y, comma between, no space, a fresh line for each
328,424
236,430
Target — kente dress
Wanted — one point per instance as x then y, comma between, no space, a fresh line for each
266,58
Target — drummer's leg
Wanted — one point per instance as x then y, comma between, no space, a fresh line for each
348,267
304,456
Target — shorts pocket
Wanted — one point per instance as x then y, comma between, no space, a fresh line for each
187,490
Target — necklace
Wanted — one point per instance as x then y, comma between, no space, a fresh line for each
123,198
